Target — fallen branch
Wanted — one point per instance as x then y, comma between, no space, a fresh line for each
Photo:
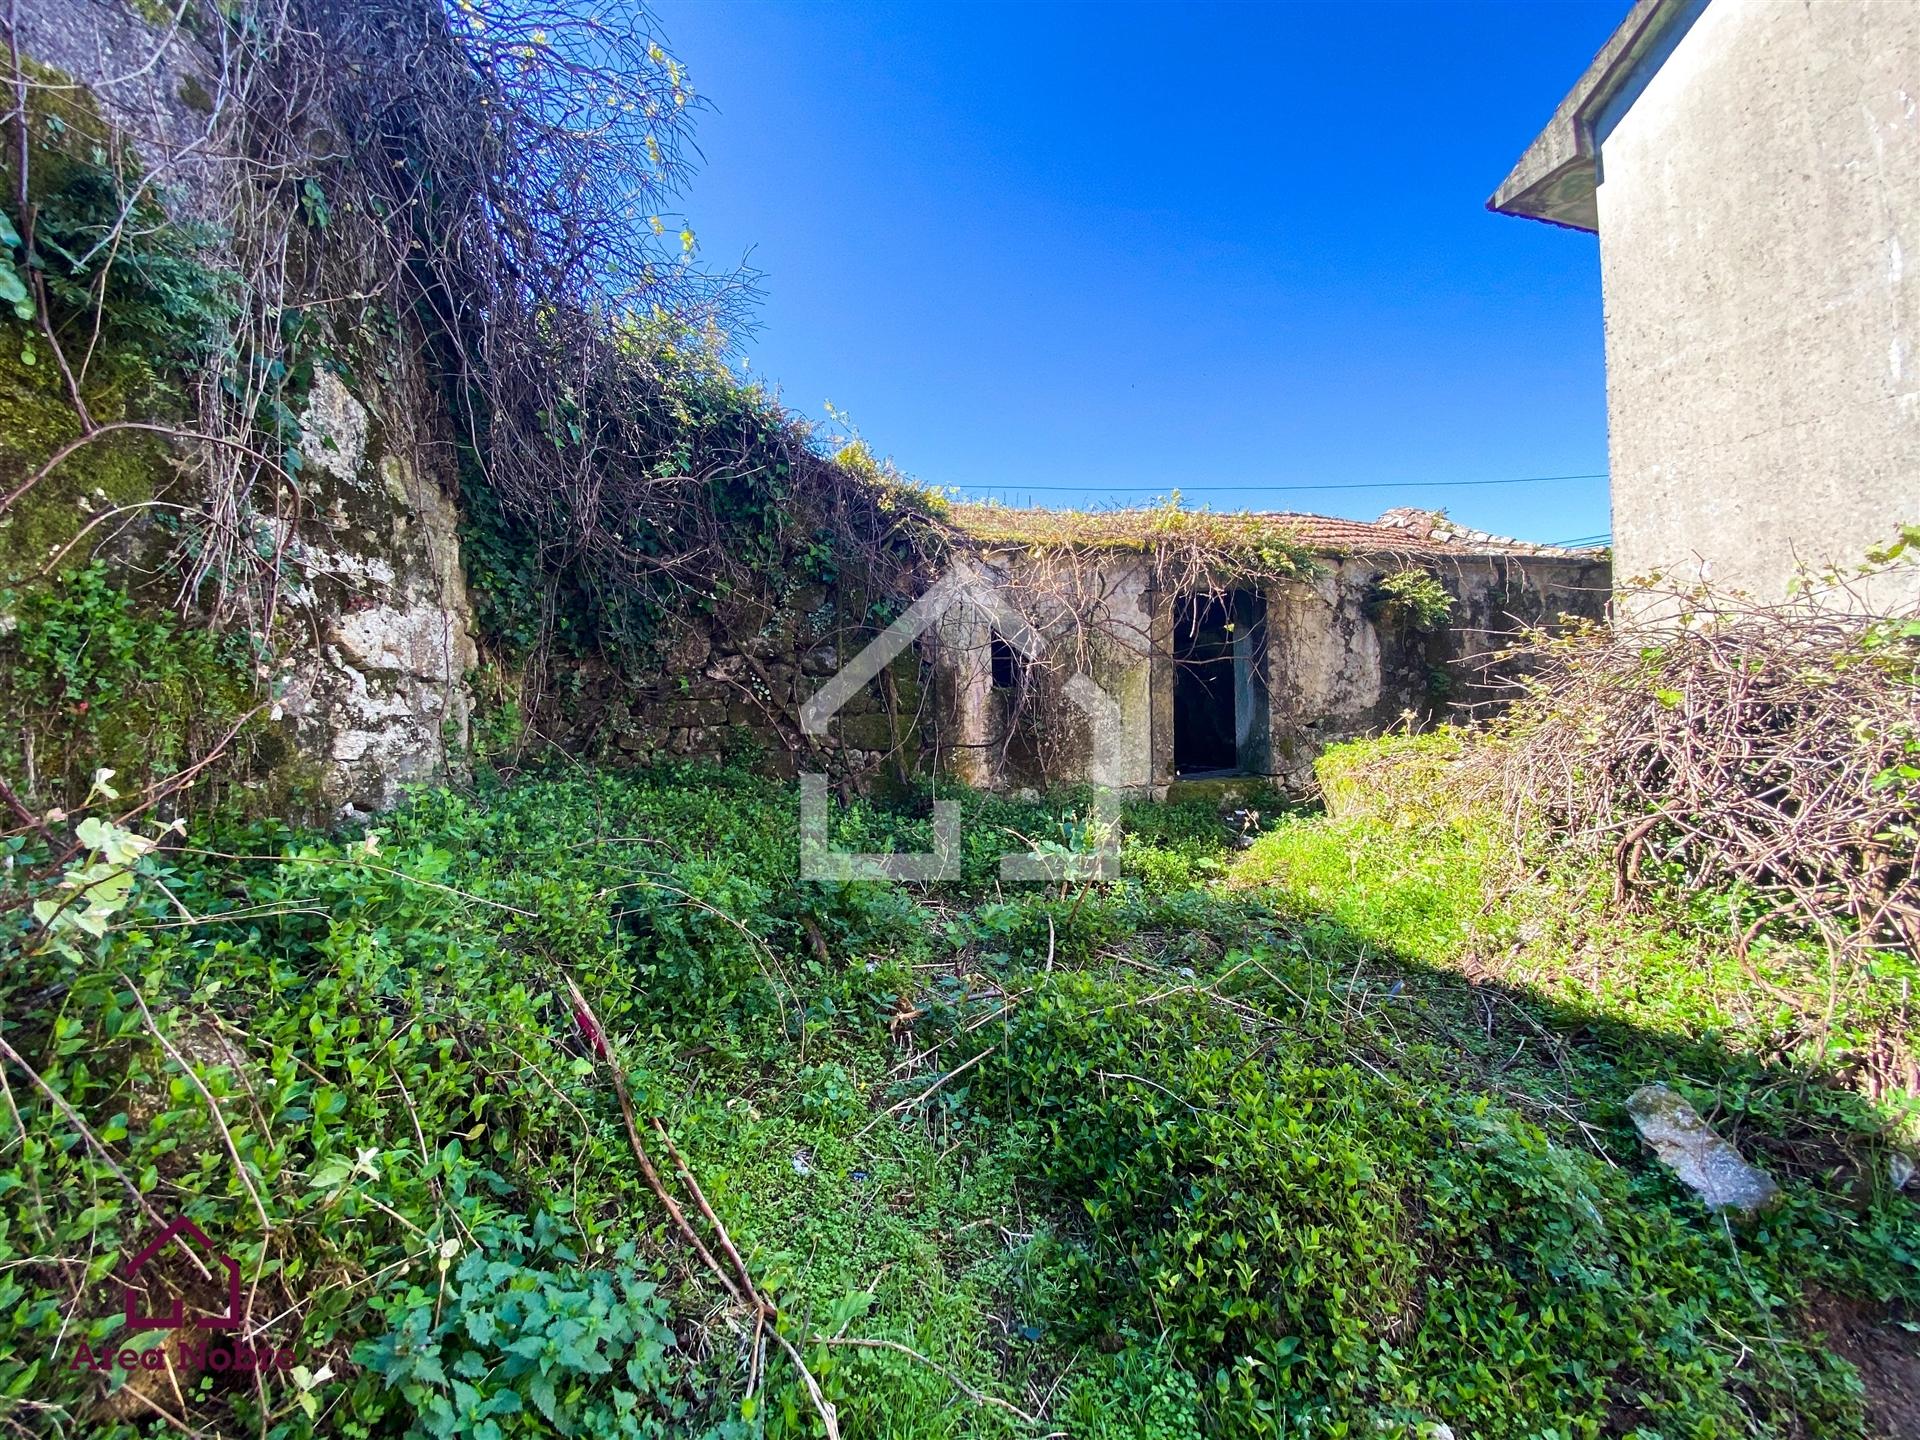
648,1172
738,1285
706,1210
960,1069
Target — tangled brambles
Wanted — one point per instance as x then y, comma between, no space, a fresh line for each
1768,749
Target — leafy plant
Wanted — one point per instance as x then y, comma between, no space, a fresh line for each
1239,1159
1137,1394
509,1346
97,886
1415,595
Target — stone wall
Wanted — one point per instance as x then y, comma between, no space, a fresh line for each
372,627
1340,666
378,644
710,696
379,696
1336,665
1032,733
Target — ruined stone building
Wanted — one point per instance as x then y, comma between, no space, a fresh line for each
1272,637
1219,645
1213,676
1752,170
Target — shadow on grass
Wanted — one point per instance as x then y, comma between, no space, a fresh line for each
1522,1263
1840,1250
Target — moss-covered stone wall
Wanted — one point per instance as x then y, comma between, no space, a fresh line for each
343,673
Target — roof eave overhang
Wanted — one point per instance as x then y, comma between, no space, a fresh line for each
1556,180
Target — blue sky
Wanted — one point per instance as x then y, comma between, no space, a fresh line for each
1080,254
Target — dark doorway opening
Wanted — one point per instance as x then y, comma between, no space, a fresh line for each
1219,684
1005,664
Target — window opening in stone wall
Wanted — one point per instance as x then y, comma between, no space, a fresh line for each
1006,664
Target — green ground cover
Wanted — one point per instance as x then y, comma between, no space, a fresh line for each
1308,1138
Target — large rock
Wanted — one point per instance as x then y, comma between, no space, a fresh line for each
1705,1163
690,649
382,699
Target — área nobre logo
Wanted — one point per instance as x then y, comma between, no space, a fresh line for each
963,585
181,1244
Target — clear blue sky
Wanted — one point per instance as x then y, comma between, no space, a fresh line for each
1083,254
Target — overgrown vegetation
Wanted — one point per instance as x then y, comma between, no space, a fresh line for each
515,188
1226,1147
1320,1138
737,501
107,685
482,255
1761,754
110,306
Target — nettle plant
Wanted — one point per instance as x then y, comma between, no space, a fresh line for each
524,1330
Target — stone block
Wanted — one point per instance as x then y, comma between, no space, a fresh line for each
872,732
690,650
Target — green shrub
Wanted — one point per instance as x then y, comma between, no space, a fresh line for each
511,1346
161,308
1415,596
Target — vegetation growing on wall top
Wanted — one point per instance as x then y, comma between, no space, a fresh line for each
1413,595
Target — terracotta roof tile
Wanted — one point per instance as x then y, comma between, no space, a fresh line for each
1397,531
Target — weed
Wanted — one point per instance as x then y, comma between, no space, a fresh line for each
1415,595
1168,1156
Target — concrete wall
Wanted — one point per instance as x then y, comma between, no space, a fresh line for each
1759,212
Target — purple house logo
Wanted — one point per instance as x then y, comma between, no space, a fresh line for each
183,1232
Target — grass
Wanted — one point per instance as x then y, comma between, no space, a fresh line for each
1312,1138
